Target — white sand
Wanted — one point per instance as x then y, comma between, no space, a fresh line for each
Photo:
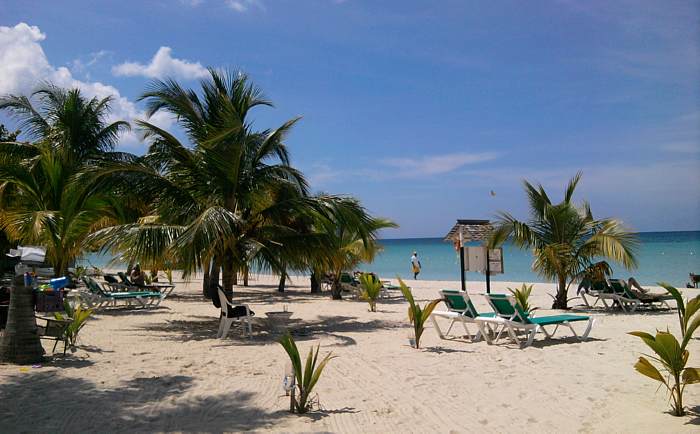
163,370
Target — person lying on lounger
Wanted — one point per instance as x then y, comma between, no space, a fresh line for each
640,292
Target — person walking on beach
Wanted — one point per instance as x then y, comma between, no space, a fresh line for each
415,265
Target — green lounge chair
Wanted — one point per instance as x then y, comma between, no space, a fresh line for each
128,285
100,298
517,320
600,292
630,301
349,284
460,309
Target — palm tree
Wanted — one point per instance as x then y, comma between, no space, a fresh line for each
351,238
43,193
565,239
212,206
5,244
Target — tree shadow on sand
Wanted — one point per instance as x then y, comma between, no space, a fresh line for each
694,413
202,328
144,404
544,343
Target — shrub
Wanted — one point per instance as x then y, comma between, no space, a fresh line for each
78,317
307,378
671,354
417,315
371,290
522,296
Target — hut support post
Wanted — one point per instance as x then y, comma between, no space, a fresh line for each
488,272
461,261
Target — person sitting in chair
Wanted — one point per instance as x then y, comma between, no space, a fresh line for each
138,277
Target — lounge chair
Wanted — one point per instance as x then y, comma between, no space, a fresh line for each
694,279
113,284
97,297
383,291
54,329
128,285
231,313
349,284
630,299
601,292
461,309
518,320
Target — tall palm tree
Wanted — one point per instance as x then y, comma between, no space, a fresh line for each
211,207
231,200
44,198
565,239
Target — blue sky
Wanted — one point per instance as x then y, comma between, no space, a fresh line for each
421,109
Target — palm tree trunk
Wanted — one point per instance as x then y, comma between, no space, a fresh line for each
227,276
59,267
205,282
336,291
560,301
283,279
315,284
20,343
246,270
215,272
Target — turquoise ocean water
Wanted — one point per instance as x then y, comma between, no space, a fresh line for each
663,256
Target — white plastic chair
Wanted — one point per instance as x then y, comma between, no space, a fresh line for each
225,323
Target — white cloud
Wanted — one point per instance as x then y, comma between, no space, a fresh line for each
24,65
245,5
162,65
438,163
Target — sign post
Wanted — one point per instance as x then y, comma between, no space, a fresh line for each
479,259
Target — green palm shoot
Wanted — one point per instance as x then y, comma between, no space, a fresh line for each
78,317
417,315
307,377
522,296
672,355
371,290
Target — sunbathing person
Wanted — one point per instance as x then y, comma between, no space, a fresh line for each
642,293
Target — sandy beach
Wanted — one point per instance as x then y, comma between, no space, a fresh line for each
163,370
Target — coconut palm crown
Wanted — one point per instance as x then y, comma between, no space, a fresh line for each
43,200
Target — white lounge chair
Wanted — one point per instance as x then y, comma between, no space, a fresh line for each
518,320
461,309
630,299
228,317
